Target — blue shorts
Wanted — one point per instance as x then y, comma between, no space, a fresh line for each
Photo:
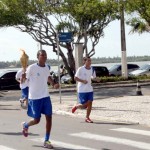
84,97
25,92
38,107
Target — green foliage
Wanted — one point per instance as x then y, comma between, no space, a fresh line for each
112,79
91,16
41,19
13,14
119,78
140,19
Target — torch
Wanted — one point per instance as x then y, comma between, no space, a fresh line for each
24,60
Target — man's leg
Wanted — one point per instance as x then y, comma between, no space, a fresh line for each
26,125
26,102
81,106
48,126
82,101
34,112
47,110
33,122
47,143
89,108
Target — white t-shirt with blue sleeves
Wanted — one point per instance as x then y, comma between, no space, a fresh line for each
85,74
19,76
38,77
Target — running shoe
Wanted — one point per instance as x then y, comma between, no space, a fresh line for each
21,100
88,120
74,109
47,144
24,130
23,106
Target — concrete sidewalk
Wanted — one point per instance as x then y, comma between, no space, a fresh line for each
128,109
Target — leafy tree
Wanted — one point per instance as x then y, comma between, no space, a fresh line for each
41,19
140,11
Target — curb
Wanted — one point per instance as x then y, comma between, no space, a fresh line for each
72,88
102,119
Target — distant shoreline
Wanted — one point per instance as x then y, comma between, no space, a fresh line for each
108,65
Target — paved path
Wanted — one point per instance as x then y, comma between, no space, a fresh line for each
129,109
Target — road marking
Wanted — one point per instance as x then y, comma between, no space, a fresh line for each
134,131
141,145
64,145
5,148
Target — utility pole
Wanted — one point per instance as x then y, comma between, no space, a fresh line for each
123,42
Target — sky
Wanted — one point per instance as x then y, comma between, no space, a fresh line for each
11,40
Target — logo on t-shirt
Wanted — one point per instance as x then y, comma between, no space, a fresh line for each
38,74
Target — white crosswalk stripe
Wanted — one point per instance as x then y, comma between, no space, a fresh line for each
64,145
5,148
136,144
133,131
96,137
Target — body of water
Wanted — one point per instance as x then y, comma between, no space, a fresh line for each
108,65
140,63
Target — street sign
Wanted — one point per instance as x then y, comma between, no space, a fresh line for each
65,37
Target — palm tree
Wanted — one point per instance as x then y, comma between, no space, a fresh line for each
139,27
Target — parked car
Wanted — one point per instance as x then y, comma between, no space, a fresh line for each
143,70
116,69
8,80
101,71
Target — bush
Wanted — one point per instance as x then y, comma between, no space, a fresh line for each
119,78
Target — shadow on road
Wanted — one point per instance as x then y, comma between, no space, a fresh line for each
56,148
8,109
5,105
112,123
104,109
16,133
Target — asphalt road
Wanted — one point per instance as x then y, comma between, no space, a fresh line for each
69,133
